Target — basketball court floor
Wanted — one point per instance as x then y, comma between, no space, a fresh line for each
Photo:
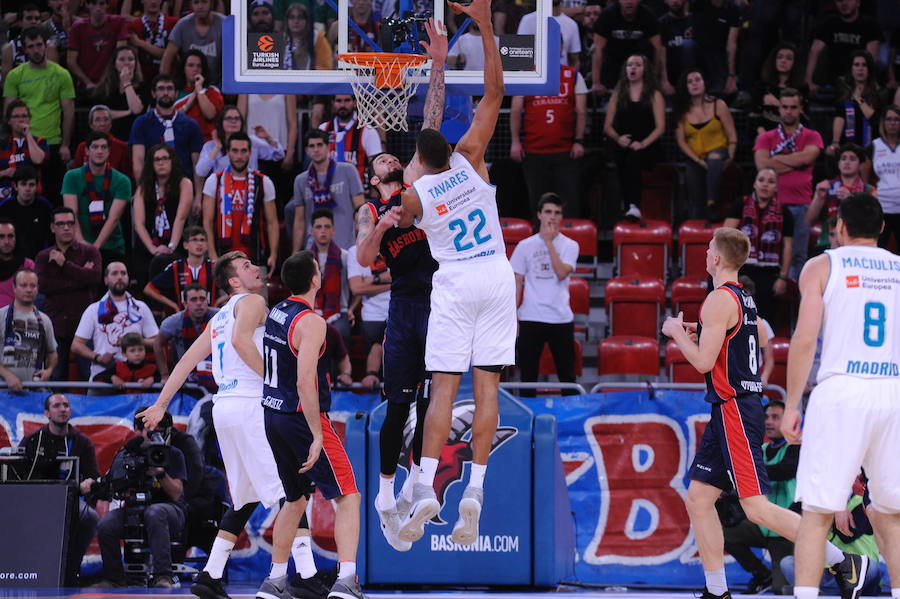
248,592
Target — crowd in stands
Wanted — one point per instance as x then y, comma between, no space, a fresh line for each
125,169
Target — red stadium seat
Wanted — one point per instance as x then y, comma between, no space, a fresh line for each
580,302
514,231
693,241
687,295
642,248
678,369
628,355
659,192
585,233
638,302
547,367
787,307
779,374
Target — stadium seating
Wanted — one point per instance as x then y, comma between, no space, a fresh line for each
780,348
678,369
514,231
585,233
546,366
622,355
634,305
642,248
659,192
693,241
580,302
786,306
687,295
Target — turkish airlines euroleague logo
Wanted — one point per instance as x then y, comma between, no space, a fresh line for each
852,281
265,43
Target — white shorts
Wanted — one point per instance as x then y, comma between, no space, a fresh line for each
473,316
850,422
249,463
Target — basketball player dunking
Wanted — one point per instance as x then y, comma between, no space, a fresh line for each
730,453
473,303
234,338
853,418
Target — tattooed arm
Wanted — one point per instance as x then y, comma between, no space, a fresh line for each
368,240
434,99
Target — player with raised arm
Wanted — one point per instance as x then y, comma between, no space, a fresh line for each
233,338
406,252
296,398
473,298
853,416
724,346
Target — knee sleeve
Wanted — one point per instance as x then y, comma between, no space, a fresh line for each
390,441
304,522
233,521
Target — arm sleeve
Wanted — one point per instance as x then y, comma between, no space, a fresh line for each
356,187
209,186
354,269
569,255
517,260
268,189
148,323
86,325
121,188
48,332
170,326
164,280
177,467
204,164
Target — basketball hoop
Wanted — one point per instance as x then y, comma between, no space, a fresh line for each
383,83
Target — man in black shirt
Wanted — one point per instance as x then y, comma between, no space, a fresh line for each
716,25
623,29
677,36
29,212
839,35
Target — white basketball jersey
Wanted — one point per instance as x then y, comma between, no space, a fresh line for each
459,214
861,329
233,376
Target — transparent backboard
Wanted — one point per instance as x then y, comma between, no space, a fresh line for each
292,46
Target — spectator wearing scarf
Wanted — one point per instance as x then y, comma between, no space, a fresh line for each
791,150
239,208
98,195
105,322
769,226
348,142
830,192
180,330
334,295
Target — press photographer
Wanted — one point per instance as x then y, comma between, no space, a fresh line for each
58,437
150,476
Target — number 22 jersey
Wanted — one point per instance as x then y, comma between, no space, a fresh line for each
860,332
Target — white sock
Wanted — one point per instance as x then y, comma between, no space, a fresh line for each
895,593
385,498
833,555
302,553
806,592
715,581
278,570
347,570
429,468
476,476
406,490
218,557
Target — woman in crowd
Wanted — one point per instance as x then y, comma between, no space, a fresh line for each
162,204
770,229
705,134
301,52
635,120
830,192
857,109
195,99
782,69
886,165
123,90
213,157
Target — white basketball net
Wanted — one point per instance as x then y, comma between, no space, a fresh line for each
381,107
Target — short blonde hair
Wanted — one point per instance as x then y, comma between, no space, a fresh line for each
733,245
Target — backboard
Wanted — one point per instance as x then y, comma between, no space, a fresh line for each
259,60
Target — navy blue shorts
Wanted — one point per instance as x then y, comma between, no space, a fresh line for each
404,348
730,455
290,438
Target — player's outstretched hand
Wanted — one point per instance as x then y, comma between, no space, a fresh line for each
391,218
152,415
479,10
790,425
437,47
315,448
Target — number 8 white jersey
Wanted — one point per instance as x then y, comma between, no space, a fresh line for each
459,214
232,375
860,330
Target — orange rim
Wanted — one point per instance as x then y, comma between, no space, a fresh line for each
390,67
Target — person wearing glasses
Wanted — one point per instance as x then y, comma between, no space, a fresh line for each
68,275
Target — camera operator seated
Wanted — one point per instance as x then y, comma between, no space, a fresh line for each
134,470
58,437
